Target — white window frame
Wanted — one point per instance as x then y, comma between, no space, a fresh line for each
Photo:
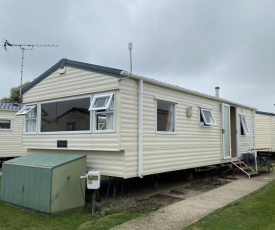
103,110
26,110
244,124
62,132
156,117
11,124
206,123
98,96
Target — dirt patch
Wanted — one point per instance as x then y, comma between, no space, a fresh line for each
152,199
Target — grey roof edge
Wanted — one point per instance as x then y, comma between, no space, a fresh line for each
265,113
181,89
80,65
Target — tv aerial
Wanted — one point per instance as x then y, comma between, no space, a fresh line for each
24,47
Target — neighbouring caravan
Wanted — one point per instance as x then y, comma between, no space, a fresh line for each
131,126
11,131
265,131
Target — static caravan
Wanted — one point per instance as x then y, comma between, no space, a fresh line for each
11,131
265,131
129,125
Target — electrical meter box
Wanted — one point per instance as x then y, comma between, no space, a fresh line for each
93,180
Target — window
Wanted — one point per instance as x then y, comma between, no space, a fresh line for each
101,102
165,116
244,126
103,112
30,112
206,117
26,109
5,124
69,115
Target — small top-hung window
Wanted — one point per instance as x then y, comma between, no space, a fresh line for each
26,110
101,102
244,126
207,117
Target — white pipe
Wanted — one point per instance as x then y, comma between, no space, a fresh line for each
140,129
254,137
217,92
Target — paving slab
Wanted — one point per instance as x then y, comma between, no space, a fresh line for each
184,213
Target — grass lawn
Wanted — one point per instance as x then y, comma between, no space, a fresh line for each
15,218
255,212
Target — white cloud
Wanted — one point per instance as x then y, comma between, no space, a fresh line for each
194,44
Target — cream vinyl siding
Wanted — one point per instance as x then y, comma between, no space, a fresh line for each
264,131
11,140
85,141
273,133
192,145
108,163
103,149
129,125
116,153
74,82
246,142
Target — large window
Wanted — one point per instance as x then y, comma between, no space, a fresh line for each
70,115
103,112
5,124
165,116
244,126
74,115
207,118
30,112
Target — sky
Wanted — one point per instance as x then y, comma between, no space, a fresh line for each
195,44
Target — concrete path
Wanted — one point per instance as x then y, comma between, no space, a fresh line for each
181,214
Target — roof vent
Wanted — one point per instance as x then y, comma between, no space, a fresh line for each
217,91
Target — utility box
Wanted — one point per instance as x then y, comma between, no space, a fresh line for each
93,180
47,183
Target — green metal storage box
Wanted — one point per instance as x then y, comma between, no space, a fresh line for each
44,182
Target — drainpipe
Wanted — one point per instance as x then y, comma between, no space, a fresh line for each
140,129
254,138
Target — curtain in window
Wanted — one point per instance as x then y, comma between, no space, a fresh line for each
31,120
109,121
30,126
170,118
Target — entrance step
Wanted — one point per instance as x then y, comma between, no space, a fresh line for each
244,168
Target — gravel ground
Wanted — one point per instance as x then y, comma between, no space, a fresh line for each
183,213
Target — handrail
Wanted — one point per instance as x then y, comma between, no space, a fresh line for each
253,152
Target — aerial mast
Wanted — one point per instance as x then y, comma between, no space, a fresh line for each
24,47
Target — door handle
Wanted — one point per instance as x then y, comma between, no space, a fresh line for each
223,131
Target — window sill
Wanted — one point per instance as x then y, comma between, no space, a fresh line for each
103,131
165,133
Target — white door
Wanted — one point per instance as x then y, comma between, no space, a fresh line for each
226,131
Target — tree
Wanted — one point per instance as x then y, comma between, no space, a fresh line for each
15,94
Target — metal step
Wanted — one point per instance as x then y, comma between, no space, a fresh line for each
244,168
252,173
